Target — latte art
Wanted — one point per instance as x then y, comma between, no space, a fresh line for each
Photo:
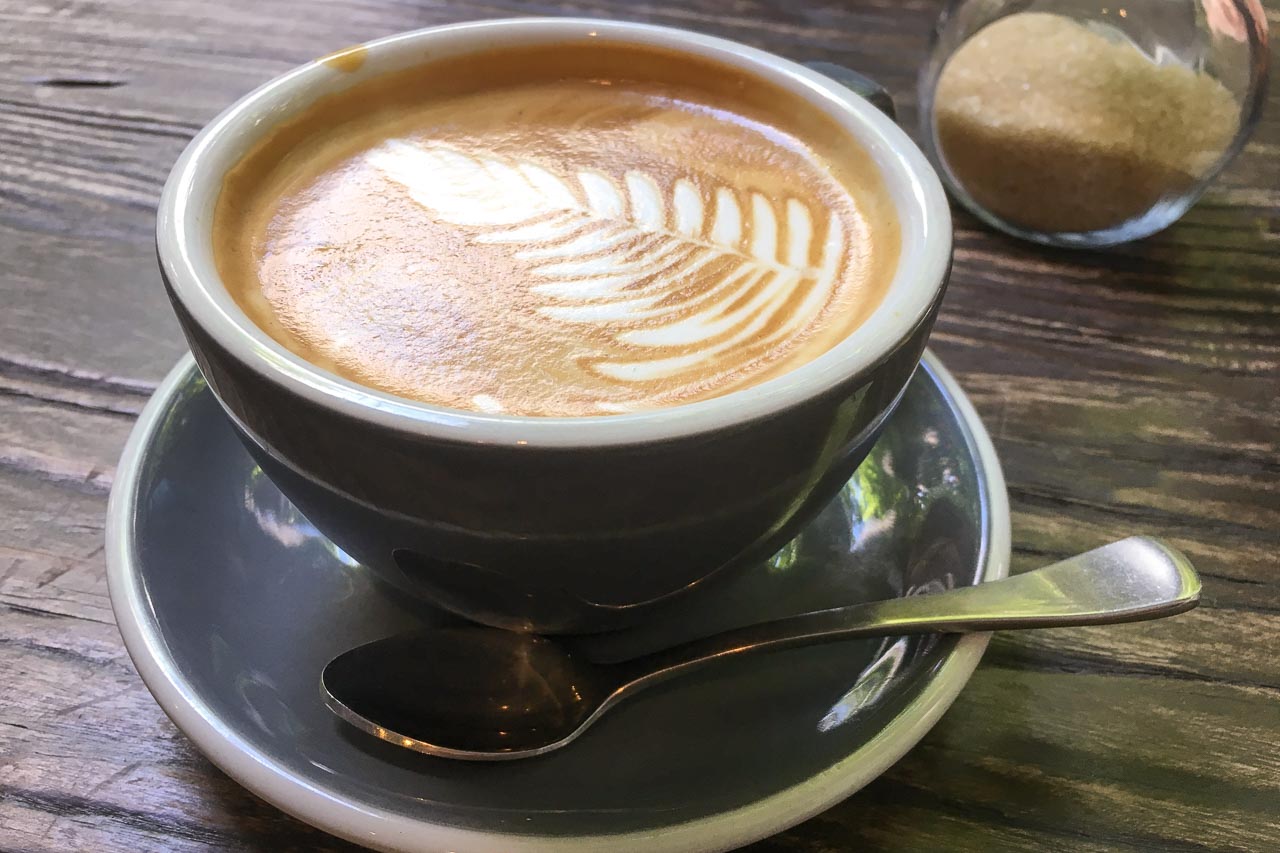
686,271
622,234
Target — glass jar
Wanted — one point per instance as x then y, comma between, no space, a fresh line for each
1087,124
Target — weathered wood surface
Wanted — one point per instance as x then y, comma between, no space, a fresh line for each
1134,390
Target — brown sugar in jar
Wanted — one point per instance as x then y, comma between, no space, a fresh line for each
1058,127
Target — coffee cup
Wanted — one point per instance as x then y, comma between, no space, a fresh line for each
568,519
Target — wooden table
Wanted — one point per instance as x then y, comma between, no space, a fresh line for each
1127,391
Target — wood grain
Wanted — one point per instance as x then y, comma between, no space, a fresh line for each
1133,390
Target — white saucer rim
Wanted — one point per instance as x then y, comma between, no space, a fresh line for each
386,830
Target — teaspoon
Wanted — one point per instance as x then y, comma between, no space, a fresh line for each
482,693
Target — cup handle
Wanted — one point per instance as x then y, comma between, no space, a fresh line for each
860,84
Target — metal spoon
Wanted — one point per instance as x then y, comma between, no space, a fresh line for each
486,694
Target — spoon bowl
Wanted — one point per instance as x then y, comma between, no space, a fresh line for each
507,693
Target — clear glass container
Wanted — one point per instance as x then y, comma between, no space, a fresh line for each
1086,124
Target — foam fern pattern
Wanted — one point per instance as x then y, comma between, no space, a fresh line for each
687,274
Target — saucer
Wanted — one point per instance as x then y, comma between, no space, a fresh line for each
230,604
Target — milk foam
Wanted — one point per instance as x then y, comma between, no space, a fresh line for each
564,247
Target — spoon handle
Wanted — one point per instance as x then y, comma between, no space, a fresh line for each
1127,581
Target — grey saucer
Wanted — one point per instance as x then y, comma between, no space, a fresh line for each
230,604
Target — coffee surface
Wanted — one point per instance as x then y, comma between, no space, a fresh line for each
574,231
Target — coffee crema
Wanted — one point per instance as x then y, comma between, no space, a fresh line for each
568,230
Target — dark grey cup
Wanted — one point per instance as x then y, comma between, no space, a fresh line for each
553,524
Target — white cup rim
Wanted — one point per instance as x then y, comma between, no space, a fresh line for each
184,243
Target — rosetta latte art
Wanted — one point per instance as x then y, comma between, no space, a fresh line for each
684,278
543,241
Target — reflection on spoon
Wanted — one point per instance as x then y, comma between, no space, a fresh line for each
485,694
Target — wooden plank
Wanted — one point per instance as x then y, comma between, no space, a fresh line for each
1132,390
